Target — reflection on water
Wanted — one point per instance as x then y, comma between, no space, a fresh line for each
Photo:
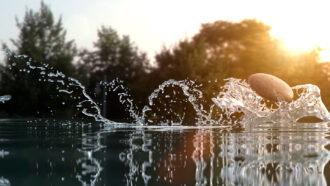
260,154
268,157
47,153
294,154
90,166
138,157
4,181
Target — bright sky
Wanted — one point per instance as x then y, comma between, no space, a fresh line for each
154,23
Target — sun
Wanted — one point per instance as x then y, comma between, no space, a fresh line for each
301,36
324,56
304,39
294,42
300,25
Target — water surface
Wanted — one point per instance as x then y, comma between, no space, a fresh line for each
54,152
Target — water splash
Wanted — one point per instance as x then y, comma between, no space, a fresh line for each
193,95
239,97
5,98
62,84
125,98
237,102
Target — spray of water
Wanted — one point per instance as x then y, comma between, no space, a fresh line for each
125,98
239,97
236,97
5,98
63,84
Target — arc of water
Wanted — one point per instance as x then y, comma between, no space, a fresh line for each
60,78
203,116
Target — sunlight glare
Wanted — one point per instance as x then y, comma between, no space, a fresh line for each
301,25
324,56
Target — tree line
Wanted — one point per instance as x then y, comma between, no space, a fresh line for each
220,50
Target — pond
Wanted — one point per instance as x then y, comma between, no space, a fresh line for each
55,152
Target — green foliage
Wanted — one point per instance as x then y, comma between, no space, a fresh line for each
43,40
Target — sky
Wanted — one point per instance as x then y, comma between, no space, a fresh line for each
152,24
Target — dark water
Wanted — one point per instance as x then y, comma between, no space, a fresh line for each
52,152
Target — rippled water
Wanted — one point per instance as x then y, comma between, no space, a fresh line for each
52,152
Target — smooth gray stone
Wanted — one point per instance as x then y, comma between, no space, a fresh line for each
270,87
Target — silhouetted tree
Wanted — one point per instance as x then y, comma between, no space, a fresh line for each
247,47
115,57
227,49
43,41
224,49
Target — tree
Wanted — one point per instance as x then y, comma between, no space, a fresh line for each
43,41
225,49
115,57
247,47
